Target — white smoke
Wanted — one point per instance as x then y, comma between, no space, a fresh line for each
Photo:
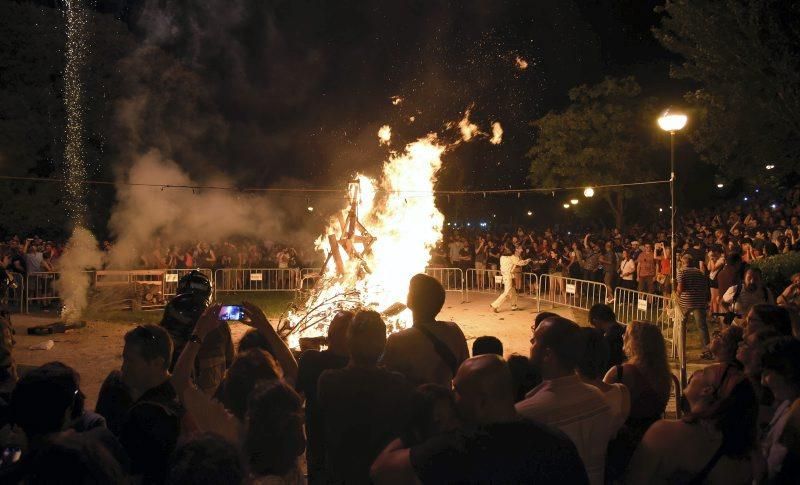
144,216
81,253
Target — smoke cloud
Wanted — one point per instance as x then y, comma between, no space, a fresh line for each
80,253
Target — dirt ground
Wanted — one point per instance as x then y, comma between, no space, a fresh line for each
96,350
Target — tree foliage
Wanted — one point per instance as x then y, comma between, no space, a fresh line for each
745,54
605,136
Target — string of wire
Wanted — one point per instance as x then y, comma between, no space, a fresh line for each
305,191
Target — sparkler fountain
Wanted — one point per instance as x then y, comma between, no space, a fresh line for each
81,249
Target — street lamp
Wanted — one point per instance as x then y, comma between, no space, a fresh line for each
588,192
566,206
672,121
574,201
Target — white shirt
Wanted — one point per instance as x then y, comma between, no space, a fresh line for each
579,410
508,263
626,269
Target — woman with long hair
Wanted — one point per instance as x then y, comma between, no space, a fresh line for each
647,376
715,442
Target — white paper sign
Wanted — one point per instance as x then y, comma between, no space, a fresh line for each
171,277
256,276
642,304
498,280
570,289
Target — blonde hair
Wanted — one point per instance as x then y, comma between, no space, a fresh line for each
646,350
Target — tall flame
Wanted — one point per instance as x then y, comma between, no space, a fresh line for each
400,213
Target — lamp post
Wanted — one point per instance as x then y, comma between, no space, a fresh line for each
673,121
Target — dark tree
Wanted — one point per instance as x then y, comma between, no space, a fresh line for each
605,136
745,56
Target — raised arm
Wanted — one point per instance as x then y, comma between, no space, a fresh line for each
283,355
182,373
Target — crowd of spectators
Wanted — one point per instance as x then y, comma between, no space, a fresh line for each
587,405
34,255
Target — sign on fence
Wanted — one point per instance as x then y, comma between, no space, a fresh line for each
641,304
570,288
171,277
256,277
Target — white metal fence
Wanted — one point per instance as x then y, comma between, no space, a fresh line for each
230,280
570,292
451,278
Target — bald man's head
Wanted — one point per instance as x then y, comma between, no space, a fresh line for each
484,389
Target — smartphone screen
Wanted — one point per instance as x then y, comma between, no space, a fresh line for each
231,313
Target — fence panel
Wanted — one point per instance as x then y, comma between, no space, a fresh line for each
41,287
482,281
451,278
631,305
257,279
570,292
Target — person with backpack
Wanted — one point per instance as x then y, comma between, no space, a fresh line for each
430,351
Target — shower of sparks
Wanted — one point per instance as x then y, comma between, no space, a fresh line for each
521,63
73,153
396,100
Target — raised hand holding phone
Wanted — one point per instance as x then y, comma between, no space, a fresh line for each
208,321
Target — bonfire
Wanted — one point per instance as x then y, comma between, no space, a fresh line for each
382,236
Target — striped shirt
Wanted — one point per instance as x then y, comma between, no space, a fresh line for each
581,412
694,288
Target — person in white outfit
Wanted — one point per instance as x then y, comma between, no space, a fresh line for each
508,261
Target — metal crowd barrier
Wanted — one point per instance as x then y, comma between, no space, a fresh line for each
257,279
631,305
482,281
570,292
451,278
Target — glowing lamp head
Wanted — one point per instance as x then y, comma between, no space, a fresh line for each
310,209
770,167
574,201
672,121
566,206
530,213
719,186
588,192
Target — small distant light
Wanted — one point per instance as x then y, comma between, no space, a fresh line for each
569,233
574,201
448,223
660,209
530,213
774,206
756,191
719,186
468,224
770,167
566,206
588,192
483,224
310,209
745,199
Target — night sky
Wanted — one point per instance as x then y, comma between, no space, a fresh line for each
298,89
